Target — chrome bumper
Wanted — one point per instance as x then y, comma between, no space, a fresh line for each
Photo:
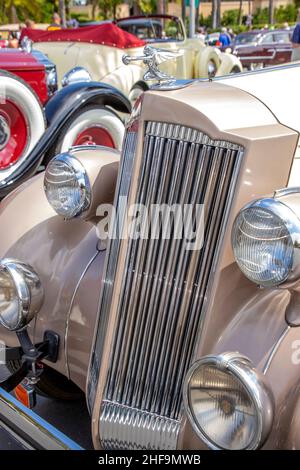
31,431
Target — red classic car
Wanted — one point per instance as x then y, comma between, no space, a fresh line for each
261,48
28,67
20,111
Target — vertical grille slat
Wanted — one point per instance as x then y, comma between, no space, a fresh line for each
164,286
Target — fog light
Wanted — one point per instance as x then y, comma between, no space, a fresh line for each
67,186
228,402
265,241
21,294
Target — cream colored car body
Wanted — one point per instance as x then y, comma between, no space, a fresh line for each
104,63
278,89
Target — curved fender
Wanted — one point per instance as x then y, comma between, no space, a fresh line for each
58,110
61,253
72,97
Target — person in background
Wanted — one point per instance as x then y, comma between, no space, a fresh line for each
249,20
73,23
13,40
286,26
231,34
201,34
30,24
56,23
224,38
296,43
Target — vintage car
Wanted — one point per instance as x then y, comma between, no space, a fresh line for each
177,337
99,49
262,48
80,113
34,68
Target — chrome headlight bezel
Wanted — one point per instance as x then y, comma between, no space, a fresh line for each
76,75
51,80
82,180
29,290
291,222
255,385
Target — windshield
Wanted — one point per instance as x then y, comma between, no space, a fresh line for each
246,38
154,29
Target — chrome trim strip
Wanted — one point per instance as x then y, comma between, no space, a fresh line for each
32,428
264,70
286,191
255,57
70,309
275,349
122,188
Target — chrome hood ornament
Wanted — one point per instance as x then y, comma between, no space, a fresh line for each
152,58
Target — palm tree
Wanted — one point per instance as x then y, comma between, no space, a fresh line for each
271,11
216,13
62,12
240,12
161,7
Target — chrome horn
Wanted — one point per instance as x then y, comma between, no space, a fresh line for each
152,58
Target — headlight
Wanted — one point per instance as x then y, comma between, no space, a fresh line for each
265,241
76,75
21,294
228,402
67,186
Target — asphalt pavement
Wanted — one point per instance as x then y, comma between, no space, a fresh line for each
72,418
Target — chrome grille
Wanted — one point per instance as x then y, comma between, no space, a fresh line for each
164,288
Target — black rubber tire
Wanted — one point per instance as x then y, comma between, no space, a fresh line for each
52,384
235,70
56,148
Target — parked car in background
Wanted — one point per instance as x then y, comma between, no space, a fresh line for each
80,113
100,49
158,332
258,49
212,39
154,28
34,68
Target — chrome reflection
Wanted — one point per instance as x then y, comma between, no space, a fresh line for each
156,331
266,241
76,75
21,294
228,402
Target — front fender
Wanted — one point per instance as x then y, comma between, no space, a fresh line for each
71,98
59,109
64,254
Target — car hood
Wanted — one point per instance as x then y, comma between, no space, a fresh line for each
276,87
16,59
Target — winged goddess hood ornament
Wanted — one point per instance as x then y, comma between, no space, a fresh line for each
152,58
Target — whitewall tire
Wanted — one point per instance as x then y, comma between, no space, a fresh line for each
92,125
22,118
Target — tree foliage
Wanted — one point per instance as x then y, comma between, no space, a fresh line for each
12,11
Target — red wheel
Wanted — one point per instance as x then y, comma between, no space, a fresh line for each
21,122
92,125
15,138
95,135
